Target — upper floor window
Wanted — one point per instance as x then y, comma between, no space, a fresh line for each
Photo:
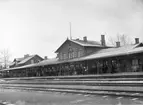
64,56
70,53
80,53
76,53
61,56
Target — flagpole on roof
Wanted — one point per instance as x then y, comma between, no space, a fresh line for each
70,30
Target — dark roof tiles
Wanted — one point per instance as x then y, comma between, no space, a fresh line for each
111,52
86,43
26,59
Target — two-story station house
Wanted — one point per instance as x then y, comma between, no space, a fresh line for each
76,48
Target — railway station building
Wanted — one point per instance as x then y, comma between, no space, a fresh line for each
84,57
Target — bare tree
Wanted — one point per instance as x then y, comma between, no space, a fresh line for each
122,38
4,57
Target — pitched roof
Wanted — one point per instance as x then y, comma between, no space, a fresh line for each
12,63
21,67
87,43
24,60
103,53
42,63
49,61
112,52
19,59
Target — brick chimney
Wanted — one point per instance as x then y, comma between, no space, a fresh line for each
46,58
118,44
85,39
103,43
136,40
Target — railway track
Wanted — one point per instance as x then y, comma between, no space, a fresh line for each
125,88
110,84
79,90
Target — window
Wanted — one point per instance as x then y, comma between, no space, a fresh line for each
135,62
80,53
135,65
32,61
64,56
70,53
74,54
61,56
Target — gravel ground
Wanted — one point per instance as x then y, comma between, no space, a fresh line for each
17,97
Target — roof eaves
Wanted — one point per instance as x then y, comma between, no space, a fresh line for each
77,42
26,59
61,46
86,45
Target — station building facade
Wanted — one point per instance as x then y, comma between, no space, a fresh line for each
84,57
76,48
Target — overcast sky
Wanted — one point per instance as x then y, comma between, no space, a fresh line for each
41,26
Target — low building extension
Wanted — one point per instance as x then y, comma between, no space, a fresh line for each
26,60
